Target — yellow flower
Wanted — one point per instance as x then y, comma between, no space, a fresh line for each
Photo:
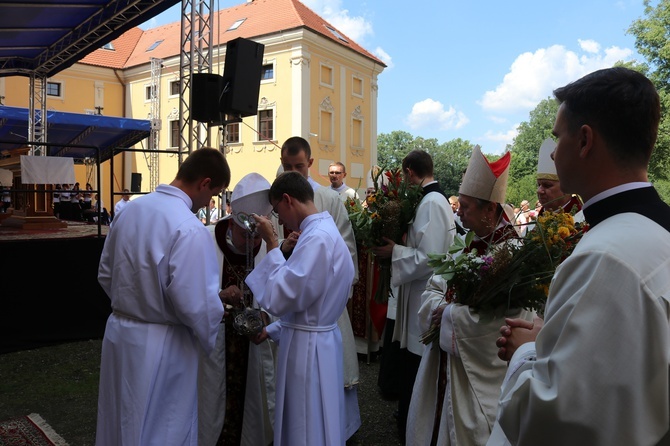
563,232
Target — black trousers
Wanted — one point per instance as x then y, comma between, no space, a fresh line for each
410,367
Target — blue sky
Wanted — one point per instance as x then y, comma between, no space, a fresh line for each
474,70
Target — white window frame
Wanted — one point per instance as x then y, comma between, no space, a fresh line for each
274,124
356,116
325,107
272,62
170,88
172,122
239,134
322,82
355,78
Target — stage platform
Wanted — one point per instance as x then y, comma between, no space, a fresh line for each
50,292
74,229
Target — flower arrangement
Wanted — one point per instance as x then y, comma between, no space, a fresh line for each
512,274
385,213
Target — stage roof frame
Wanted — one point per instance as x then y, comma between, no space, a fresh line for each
44,37
69,131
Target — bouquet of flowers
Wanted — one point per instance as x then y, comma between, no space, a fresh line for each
512,274
385,213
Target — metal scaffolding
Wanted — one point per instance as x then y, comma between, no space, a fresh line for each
196,57
156,122
37,123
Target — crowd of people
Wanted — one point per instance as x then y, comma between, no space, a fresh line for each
180,364
70,202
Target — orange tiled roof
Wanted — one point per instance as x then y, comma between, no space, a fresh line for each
262,17
124,46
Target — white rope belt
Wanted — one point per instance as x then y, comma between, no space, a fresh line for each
309,327
127,316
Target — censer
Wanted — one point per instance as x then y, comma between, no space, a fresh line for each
248,320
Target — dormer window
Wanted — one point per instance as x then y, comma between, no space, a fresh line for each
154,45
337,34
236,25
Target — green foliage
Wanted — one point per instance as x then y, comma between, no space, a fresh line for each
526,145
449,159
663,188
652,34
522,189
392,148
450,162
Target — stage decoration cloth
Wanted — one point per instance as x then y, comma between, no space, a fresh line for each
47,170
6,177
29,430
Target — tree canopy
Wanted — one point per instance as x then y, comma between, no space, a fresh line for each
652,34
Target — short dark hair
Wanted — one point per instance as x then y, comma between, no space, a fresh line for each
420,162
293,184
621,104
295,145
205,163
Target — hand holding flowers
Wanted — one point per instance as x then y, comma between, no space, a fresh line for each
382,220
513,274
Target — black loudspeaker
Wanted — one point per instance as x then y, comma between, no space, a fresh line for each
135,182
242,77
205,95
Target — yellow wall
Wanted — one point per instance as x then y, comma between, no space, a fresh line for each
295,94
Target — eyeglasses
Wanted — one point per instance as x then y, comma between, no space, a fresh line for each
275,212
335,173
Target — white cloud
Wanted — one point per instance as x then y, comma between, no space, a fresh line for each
499,140
432,115
590,46
533,76
356,28
384,56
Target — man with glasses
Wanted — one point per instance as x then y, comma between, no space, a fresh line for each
296,155
308,292
337,173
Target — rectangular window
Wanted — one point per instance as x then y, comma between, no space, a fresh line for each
174,134
326,76
55,89
357,86
266,125
267,72
233,133
357,133
154,45
174,88
148,92
326,127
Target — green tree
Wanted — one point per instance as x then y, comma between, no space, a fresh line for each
449,159
526,145
525,148
450,163
652,34
524,188
392,148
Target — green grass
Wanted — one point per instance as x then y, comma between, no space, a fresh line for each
60,383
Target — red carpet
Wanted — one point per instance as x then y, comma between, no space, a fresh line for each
74,230
30,430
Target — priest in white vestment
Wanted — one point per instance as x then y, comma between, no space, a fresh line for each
308,292
455,395
596,372
163,282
